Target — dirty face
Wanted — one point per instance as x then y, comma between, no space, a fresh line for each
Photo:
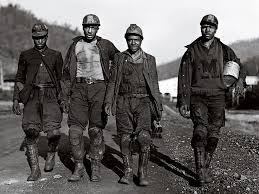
40,42
208,31
134,43
90,32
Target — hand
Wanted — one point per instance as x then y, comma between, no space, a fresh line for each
185,111
107,109
16,107
65,106
239,88
156,130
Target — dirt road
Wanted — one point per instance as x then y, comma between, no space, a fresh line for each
235,165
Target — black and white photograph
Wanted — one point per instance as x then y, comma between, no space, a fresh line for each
129,97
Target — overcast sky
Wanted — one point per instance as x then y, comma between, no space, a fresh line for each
168,25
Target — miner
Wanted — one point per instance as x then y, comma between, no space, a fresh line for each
201,91
85,76
132,93
37,86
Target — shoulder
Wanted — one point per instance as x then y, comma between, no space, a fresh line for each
149,56
27,52
103,41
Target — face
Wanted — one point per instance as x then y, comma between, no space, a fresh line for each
90,32
208,31
40,42
134,43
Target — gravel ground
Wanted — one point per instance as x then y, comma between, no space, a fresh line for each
235,166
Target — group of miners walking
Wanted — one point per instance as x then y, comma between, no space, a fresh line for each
96,80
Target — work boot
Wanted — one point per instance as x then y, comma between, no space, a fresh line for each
78,171
199,154
128,173
33,160
50,162
52,149
95,170
78,152
142,168
208,157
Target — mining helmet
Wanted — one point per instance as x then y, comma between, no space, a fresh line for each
230,73
209,19
39,30
133,29
91,19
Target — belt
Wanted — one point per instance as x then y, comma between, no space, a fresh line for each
134,95
88,80
46,85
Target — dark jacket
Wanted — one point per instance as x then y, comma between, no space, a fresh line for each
150,74
29,63
107,51
185,75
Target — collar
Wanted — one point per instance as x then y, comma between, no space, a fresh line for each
41,52
142,55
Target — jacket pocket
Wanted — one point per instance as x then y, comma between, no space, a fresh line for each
25,93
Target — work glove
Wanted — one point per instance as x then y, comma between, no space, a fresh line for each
16,107
184,111
156,129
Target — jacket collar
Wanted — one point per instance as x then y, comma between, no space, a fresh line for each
144,55
198,40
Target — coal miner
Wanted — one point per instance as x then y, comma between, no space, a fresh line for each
85,76
202,85
131,94
37,86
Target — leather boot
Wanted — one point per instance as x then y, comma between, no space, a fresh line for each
95,170
52,149
78,155
208,158
128,173
199,154
33,160
78,171
142,168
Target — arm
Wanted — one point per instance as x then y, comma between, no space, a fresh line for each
111,83
184,80
155,83
20,77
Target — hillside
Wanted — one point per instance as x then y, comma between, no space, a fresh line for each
246,50
15,33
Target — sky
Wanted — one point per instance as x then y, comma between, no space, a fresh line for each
167,25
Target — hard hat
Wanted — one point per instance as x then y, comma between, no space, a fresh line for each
39,30
133,29
91,19
231,73
209,19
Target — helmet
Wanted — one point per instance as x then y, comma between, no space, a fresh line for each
39,30
133,29
91,19
231,73
209,19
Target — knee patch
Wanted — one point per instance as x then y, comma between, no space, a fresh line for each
94,132
144,138
32,133
75,135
